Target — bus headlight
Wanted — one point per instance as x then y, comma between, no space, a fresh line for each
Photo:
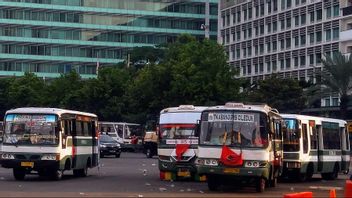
7,156
211,162
207,162
199,161
50,157
254,164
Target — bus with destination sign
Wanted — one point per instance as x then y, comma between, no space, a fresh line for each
315,145
240,144
177,149
49,141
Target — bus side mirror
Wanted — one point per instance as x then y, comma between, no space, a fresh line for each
197,129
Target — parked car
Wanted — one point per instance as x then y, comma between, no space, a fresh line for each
109,146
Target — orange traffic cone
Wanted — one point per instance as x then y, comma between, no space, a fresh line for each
348,189
299,195
332,193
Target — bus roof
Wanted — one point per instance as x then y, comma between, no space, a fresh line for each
120,123
183,108
44,110
316,118
246,107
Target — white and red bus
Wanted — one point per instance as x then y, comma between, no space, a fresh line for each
178,143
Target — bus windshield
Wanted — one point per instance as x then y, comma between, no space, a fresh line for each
291,135
234,128
177,131
21,129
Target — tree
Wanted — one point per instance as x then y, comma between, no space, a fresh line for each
4,94
200,73
26,91
286,95
337,77
107,93
193,72
64,92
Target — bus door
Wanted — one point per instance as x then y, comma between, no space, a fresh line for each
305,143
320,147
74,143
314,143
94,133
344,148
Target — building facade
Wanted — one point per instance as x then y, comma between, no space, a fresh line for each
51,37
285,37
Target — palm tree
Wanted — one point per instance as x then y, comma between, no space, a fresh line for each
337,77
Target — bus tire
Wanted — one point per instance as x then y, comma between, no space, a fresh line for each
149,153
117,155
310,171
82,172
68,164
19,173
333,175
260,185
302,177
57,175
213,183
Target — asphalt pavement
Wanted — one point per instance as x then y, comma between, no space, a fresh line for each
134,175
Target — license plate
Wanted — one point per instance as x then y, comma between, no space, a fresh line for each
27,164
112,151
232,170
183,173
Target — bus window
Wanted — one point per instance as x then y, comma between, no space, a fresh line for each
90,128
120,131
331,136
85,129
79,131
305,138
67,127
313,138
347,139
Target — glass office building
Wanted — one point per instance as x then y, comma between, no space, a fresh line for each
51,37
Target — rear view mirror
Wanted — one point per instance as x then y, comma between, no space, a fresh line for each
197,129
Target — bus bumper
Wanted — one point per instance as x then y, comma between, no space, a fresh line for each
177,170
242,173
30,164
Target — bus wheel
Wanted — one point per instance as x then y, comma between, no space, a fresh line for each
148,153
333,175
213,183
117,155
260,185
310,172
302,177
57,174
19,173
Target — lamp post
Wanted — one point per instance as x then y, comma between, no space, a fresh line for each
207,20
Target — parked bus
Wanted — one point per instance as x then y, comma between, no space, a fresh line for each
49,141
178,143
241,145
129,135
315,145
